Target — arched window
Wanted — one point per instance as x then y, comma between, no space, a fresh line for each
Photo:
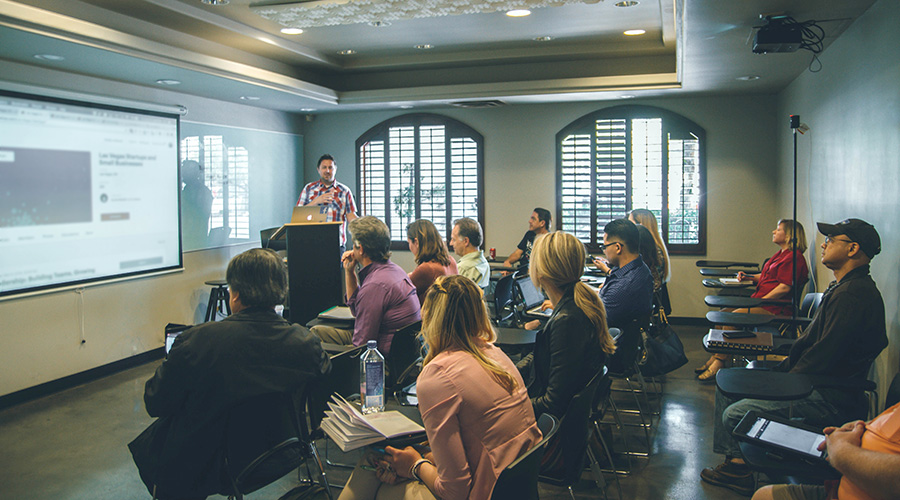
420,166
625,157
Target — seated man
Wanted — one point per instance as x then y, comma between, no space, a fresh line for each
213,366
867,454
466,239
380,294
538,224
846,335
627,293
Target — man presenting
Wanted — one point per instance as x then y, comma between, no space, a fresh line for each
465,238
335,196
538,225
380,294
213,366
846,335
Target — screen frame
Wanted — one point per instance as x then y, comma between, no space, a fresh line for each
118,277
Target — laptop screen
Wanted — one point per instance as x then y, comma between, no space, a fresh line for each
530,294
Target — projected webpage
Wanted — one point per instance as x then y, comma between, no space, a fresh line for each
85,193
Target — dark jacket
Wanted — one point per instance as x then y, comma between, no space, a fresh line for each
566,355
210,368
846,335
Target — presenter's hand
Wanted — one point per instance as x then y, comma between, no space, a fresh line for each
348,260
324,198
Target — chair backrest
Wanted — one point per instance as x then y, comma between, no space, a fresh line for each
519,479
263,441
574,429
405,351
266,242
811,302
503,298
628,345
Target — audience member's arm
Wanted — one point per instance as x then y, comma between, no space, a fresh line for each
565,350
741,275
165,392
839,330
513,257
778,292
368,305
877,473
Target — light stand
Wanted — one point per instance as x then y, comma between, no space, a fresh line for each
795,290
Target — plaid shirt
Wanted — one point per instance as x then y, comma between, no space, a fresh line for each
340,206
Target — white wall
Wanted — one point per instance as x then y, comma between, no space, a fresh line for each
849,161
40,337
520,161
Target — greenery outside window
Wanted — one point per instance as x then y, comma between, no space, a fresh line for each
420,166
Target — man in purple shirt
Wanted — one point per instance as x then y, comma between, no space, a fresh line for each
381,295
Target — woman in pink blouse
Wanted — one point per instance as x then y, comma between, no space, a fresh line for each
474,407
432,257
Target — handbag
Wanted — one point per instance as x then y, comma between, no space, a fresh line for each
663,350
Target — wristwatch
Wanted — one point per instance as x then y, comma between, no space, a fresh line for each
414,471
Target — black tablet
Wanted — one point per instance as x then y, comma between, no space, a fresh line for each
786,438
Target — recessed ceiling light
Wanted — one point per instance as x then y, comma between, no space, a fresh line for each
626,96
168,81
543,38
748,78
380,24
49,57
424,46
518,13
347,52
406,106
634,32
626,3
215,2
307,110
291,31
249,98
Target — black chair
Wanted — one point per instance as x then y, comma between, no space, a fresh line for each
266,438
404,358
573,438
503,300
623,365
265,240
519,479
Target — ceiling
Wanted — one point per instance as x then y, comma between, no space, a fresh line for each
236,52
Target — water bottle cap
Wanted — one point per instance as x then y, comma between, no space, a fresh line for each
372,344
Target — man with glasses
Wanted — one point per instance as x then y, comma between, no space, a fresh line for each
846,335
627,293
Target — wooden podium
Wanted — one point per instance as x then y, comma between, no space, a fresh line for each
314,268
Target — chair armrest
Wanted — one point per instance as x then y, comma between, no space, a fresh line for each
829,382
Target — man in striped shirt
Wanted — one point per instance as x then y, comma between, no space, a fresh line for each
337,197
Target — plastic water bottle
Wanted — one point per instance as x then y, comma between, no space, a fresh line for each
371,379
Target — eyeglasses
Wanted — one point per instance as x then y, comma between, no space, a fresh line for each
831,239
603,246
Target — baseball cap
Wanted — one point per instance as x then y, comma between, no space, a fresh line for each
857,230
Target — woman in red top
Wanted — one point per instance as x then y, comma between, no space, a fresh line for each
774,282
432,256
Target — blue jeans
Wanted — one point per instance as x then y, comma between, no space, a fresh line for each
813,410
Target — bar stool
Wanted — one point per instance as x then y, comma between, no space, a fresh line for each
218,299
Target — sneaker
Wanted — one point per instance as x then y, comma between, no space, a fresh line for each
735,477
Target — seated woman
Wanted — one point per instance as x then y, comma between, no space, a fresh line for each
574,343
432,257
474,408
774,282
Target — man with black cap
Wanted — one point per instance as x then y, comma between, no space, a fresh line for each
846,335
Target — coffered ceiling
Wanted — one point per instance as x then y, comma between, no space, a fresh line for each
365,54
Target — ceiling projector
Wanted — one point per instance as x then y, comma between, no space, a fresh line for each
777,35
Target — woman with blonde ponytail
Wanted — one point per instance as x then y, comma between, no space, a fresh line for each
474,408
575,342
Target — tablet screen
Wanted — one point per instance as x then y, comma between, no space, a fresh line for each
793,438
